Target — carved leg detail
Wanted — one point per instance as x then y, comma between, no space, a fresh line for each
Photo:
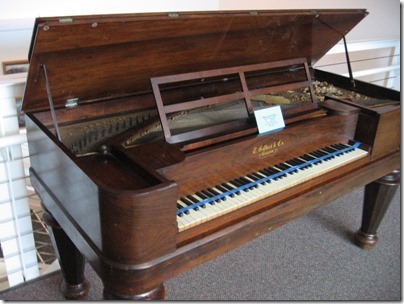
74,286
378,196
157,293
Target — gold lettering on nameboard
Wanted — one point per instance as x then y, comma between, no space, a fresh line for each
268,149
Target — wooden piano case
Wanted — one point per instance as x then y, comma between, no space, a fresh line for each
126,114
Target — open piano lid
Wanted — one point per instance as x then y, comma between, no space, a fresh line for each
106,56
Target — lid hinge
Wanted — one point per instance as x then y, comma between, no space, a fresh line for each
51,105
173,15
72,103
66,20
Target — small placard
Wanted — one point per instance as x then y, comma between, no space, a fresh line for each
269,119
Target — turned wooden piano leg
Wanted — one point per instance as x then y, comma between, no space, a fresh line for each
378,196
74,286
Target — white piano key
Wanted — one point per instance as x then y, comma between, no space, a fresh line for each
263,190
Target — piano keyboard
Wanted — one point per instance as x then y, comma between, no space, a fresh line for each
216,201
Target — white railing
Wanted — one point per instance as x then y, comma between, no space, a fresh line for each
377,62
24,239
16,233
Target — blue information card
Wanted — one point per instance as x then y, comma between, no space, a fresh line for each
269,119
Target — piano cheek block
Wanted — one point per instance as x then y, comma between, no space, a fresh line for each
138,226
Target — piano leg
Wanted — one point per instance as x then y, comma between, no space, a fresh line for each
378,196
157,293
74,286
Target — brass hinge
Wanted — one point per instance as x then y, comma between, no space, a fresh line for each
71,103
66,20
173,15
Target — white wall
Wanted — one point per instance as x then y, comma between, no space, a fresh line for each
383,21
382,26
17,9
17,16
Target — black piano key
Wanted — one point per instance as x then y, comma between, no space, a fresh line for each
210,195
268,171
202,196
310,158
192,199
195,200
273,170
251,176
238,184
281,166
285,166
294,162
317,153
279,171
328,152
307,157
262,175
256,177
188,203
223,189
337,147
216,193
265,172
182,213
329,149
332,151
230,188
306,162
244,182
340,146
247,181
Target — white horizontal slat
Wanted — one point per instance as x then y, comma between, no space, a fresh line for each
16,233
364,45
12,140
372,61
374,71
15,277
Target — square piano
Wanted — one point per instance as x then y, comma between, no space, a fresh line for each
144,145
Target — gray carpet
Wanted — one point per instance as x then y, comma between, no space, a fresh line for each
311,258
